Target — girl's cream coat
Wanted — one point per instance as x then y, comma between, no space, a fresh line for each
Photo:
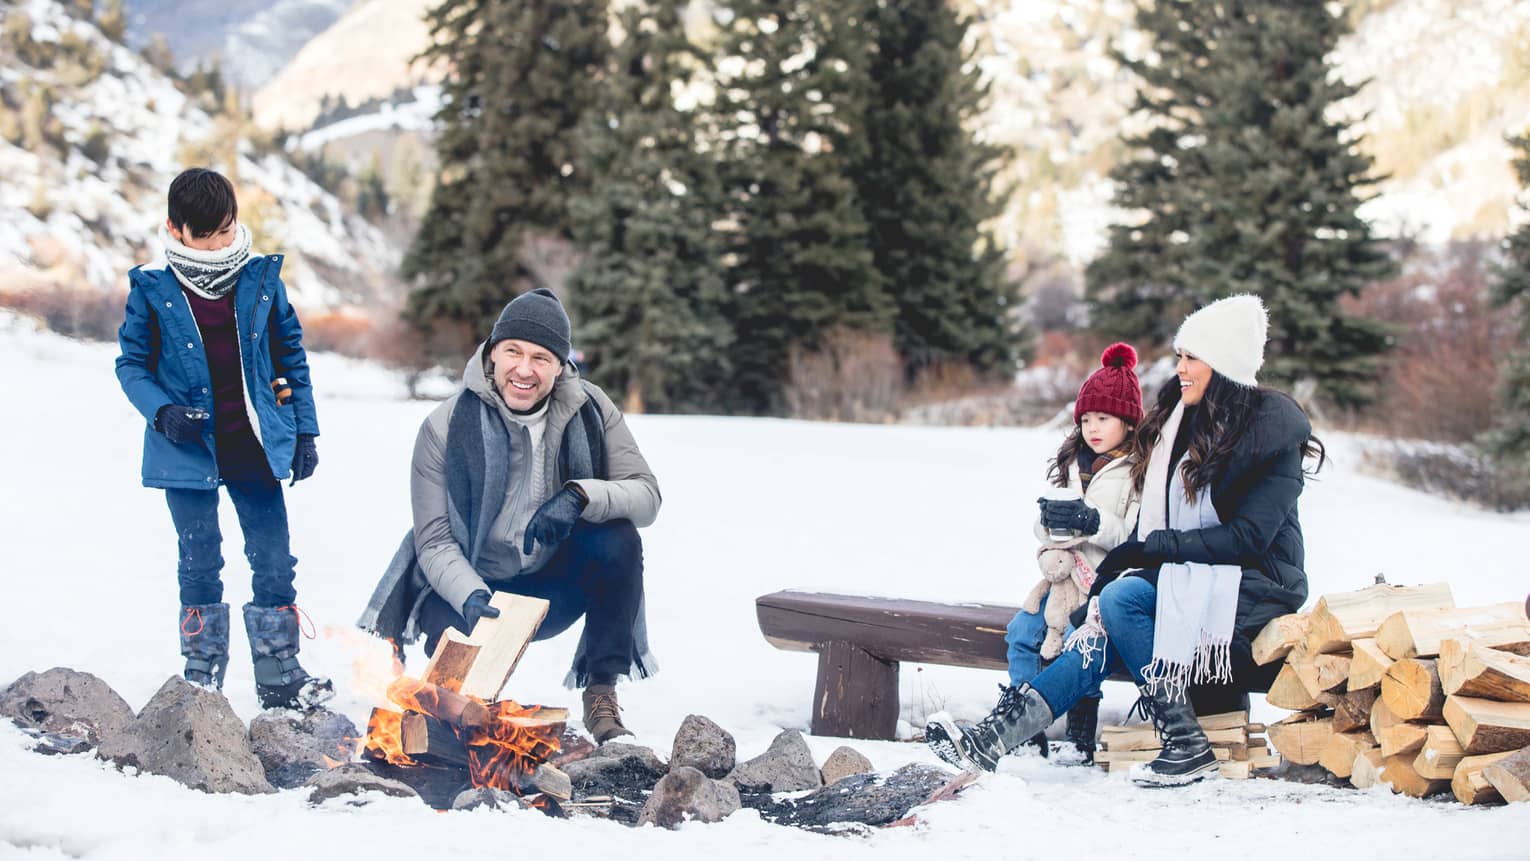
1110,493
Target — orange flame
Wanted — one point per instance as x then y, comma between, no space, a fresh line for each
518,739
385,737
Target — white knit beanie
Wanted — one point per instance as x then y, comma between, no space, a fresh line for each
1229,336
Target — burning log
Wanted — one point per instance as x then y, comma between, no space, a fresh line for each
438,702
432,741
385,742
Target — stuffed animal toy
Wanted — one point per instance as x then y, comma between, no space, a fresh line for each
1061,576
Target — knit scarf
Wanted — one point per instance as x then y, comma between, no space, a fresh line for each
209,274
1197,602
1097,464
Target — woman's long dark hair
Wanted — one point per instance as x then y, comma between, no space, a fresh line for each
1226,415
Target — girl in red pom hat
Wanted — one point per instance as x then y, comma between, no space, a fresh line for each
1095,464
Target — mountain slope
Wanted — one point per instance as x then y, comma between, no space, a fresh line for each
252,39
82,182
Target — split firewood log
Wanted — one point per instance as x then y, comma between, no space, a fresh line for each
1438,757
1471,785
1342,617
1511,776
1279,637
1411,689
1301,738
1470,669
1418,633
1487,726
1367,664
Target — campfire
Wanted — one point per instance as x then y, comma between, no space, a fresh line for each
452,723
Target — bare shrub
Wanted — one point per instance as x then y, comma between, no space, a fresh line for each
1451,348
343,332
77,312
856,376
1459,471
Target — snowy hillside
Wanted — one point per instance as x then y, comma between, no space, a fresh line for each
750,506
81,205
252,39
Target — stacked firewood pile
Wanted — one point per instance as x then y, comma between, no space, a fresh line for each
1397,686
1239,747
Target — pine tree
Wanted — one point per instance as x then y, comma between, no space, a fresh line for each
791,84
927,186
1510,440
648,294
522,75
1247,185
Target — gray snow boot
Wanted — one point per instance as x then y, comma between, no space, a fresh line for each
1020,714
204,643
1186,755
280,681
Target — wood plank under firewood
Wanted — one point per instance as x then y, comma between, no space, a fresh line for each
1343,617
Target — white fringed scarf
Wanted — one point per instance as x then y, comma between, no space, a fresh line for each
1197,603
209,274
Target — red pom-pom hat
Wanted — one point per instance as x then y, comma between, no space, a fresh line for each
1113,388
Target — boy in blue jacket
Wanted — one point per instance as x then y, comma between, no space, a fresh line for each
212,356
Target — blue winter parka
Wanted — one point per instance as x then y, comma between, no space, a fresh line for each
163,362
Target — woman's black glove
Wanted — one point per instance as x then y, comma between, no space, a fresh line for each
181,424
1125,557
555,519
305,458
1071,514
477,607
1077,617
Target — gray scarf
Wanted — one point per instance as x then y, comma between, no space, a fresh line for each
209,274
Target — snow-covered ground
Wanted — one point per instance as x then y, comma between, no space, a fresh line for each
751,506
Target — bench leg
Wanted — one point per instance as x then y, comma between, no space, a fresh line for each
856,695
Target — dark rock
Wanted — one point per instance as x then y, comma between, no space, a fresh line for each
842,763
67,702
494,799
704,746
191,735
292,746
868,799
687,794
786,766
616,769
353,779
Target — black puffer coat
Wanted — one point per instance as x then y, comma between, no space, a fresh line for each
1255,498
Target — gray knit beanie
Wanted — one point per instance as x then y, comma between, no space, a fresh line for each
538,317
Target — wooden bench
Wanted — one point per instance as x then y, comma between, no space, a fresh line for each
861,640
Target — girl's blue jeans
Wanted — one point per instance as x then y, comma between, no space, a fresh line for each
1024,635
1127,607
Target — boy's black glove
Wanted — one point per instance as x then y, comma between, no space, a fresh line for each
181,424
555,519
476,607
1069,514
305,458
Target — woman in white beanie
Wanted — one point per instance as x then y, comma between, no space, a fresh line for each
1220,554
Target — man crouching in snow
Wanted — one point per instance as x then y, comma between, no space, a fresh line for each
528,481
212,356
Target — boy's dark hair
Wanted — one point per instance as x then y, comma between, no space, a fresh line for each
202,201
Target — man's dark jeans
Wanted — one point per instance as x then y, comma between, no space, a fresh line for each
262,517
597,573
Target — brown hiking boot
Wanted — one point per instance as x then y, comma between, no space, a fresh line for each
602,716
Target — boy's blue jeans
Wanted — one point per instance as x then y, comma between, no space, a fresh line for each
1024,635
1127,607
262,517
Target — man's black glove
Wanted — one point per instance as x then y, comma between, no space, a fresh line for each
1069,514
476,607
181,424
555,519
305,458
